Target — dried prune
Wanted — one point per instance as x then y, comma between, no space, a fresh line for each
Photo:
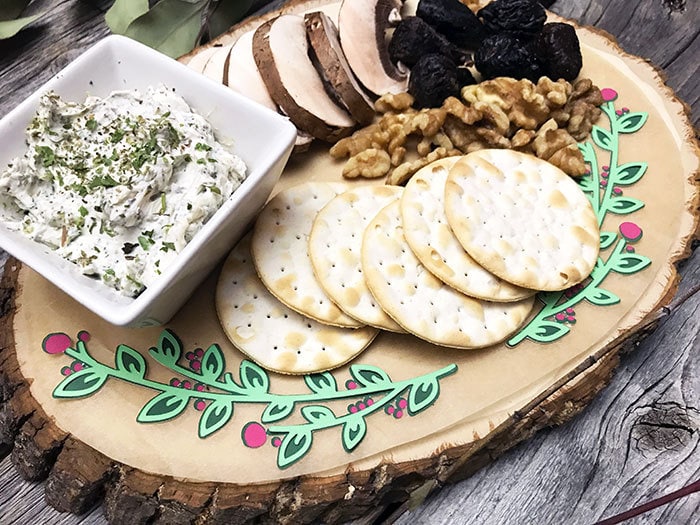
519,17
559,50
434,78
413,38
454,20
504,55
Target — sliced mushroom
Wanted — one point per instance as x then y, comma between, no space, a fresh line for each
199,61
334,67
281,53
243,75
216,67
363,25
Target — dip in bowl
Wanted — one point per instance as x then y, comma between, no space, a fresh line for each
164,196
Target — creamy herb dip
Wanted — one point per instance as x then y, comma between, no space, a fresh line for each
118,185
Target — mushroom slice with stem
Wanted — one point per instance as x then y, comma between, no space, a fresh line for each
243,75
363,26
281,52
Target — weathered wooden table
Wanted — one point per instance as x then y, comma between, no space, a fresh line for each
638,440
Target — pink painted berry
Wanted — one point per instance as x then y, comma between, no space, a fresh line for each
402,403
631,231
617,190
276,442
625,110
352,409
370,402
619,113
361,405
603,183
606,168
199,387
84,336
629,249
196,365
571,319
398,414
390,410
254,435
174,382
570,311
350,384
199,352
77,367
189,356
66,371
608,94
560,317
187,385
56,343
200,405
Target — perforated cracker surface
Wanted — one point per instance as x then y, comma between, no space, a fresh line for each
335,245
420,302
522,219
280,251
433,242
273,335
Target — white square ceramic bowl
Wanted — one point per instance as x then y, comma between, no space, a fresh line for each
262,138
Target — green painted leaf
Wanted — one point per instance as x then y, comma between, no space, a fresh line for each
215,416
164,406
586,183
11,9
123,12
130,361
277,410
423,394
225,14
601,297
169,349
367,375
547,331
80,384
632,122
253,377
624,205
323,383
294,446
317,414
603,138
607,239
213,363
630,173
549,298
9,28
628,263
231,384
586,149
170,26
354,431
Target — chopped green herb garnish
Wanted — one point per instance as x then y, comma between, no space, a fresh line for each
91,124
45,155
83,211
104,181
116,136
167,246
162,204
145,242
200,146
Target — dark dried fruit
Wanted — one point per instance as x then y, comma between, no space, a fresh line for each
520,17
454,20
413,38
434,78
507,56
559,50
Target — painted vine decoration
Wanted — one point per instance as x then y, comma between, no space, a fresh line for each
603,185
205,384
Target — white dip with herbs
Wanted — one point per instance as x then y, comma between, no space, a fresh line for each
118,185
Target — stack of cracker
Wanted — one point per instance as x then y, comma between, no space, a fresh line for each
455,258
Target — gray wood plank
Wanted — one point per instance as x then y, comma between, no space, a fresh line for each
638,440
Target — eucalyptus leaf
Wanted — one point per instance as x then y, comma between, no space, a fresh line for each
225,14
9,28
11,9
123,12
170,26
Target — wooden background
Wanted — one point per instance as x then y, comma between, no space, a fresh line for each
638,440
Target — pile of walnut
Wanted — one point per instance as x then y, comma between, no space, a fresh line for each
546,119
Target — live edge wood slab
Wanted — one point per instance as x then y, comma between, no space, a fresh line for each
79,475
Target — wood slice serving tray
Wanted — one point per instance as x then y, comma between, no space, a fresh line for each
174,423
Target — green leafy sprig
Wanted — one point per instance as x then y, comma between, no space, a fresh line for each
11,19
602,185
219,391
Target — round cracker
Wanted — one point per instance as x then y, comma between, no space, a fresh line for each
281,256
272,335
420,302
522,218
432,241
335,245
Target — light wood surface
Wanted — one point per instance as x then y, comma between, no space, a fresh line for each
638,440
